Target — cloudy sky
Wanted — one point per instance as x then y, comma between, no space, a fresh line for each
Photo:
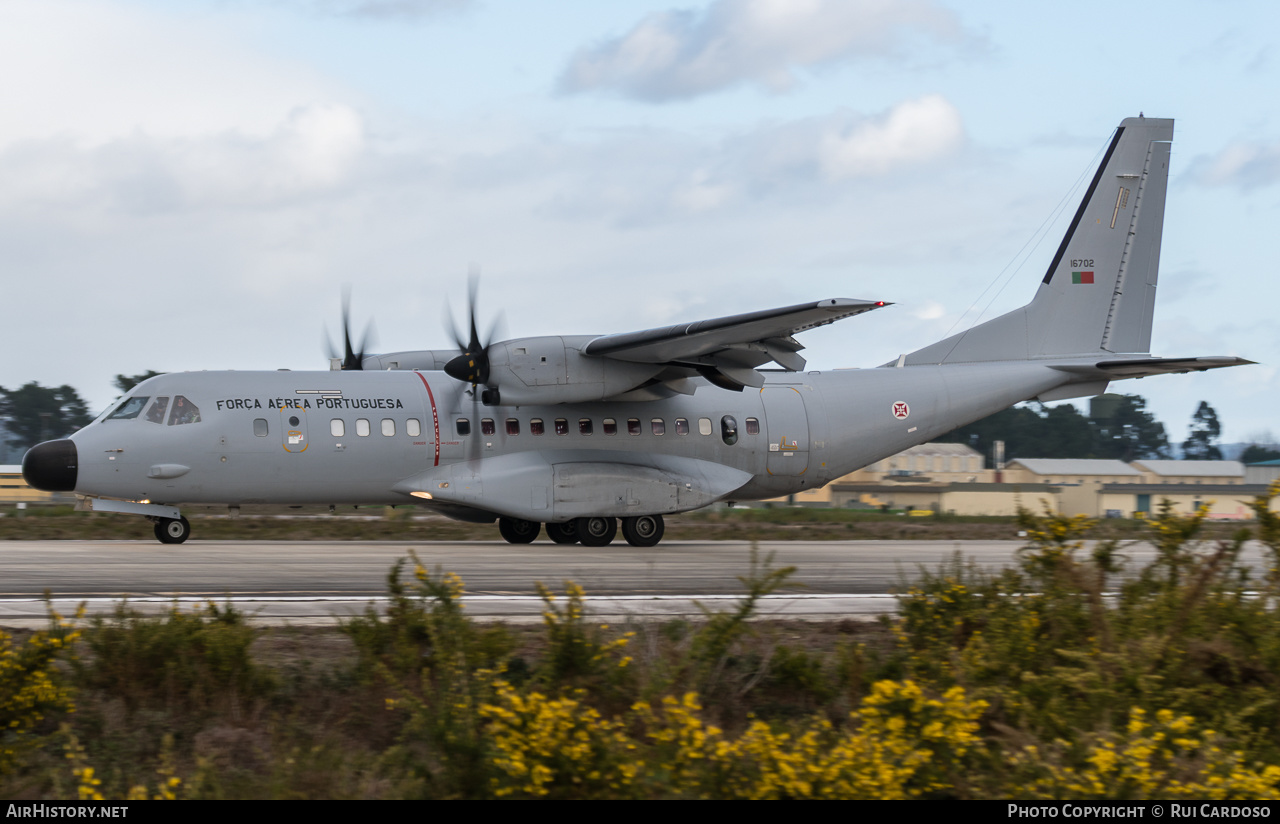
189,185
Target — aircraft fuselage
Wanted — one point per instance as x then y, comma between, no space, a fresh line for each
376,437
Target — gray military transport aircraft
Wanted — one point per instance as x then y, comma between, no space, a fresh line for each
577,432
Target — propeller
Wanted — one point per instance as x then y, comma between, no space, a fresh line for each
472,365
351,357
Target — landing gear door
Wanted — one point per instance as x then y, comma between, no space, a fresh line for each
788,428
293,429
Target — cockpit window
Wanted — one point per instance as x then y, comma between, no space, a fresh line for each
183,411
155,413
130,409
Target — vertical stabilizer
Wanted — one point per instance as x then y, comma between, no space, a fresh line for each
1099,292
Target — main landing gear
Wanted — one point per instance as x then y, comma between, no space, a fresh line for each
640,530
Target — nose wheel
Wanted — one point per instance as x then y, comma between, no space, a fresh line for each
171,531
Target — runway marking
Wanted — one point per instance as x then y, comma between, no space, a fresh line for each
202,599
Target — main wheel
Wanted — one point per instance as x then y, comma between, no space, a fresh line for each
597,531
565,533
517,531
643,530
170,531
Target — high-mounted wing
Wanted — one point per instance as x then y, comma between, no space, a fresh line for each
730,347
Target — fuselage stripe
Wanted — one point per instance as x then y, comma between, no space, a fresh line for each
435,416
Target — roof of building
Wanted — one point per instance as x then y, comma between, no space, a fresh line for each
1203,469
1077,466
1165,490
932,449
945,487
1275,462
10,470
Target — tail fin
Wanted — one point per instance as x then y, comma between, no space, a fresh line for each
1100,290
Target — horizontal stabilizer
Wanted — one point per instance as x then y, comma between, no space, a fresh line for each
1142,367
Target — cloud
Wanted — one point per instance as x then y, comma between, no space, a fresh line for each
683,53
1246,165
313,149
388,9
95,72
914,131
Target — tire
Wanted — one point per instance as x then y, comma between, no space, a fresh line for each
597,531
643,530
517,531
565,533
170,531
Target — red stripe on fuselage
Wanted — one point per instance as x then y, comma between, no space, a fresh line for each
435,416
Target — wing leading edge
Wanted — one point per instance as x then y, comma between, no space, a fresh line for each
732,346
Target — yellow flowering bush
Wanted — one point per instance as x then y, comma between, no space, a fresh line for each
576,647
904,745
556,747
1164,758
30,688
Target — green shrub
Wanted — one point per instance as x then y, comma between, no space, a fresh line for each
192,661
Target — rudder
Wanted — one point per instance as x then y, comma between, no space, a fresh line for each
1098,294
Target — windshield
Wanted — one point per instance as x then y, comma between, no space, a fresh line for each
184,411
129,409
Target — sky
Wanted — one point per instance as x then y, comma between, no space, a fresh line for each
189,185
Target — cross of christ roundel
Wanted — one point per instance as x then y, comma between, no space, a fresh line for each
901,410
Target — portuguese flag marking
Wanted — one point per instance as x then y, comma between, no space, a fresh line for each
1082,277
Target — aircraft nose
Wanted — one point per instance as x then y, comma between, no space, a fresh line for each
52,466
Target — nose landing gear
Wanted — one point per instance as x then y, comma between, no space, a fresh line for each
172,531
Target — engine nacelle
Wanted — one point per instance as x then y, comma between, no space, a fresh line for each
554,370
536,370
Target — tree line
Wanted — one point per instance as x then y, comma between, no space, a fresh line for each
33,413
1118,427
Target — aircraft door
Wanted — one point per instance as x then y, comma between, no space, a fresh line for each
788,428
293,430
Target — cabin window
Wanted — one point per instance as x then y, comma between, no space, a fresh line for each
704,426
659,426
753,426
362,427
260,427
584,426
130,409
156,413
413,427
682,426
337,427
610,426
183,411
388,427
633,426
513,426
729,430
537,427
562,426
487,426
463,426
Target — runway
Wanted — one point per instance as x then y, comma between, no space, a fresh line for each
308,582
